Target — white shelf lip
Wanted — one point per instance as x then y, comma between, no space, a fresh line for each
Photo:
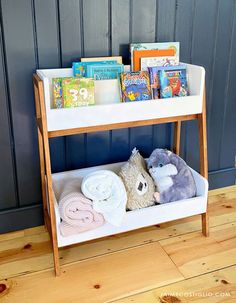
133,219
61,119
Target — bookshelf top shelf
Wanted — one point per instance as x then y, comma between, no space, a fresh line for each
108,116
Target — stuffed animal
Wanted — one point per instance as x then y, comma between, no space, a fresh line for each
139,185
172,177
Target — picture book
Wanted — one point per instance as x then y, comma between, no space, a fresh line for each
154,77
78,92
80,68
135,86
57,93
156,45
118,59
138,54
158,61
106,71
173,83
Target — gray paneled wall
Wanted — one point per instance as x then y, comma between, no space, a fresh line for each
53,33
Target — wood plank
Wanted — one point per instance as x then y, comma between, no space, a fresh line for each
215,287
203,254
132,270
81,130
39,255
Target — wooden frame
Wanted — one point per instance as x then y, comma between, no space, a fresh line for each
45,162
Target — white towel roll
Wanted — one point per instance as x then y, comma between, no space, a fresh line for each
108,194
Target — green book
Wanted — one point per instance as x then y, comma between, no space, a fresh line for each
78,92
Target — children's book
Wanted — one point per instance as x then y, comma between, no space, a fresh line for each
118,59
78,92
156,45
80,68
135,86
158,61
57,93
138,54
154,77
173,83
104,72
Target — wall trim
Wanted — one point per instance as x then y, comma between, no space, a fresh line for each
21,218
222,177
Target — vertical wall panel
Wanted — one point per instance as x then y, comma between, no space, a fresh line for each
96,43
47,31
120,38
20,55
183,34
70,28
165,29
120,29
70,13
203,44
143,19
96,31
8,197
219,83
49,56
166,20
228,141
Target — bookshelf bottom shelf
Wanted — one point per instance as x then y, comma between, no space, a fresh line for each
133,219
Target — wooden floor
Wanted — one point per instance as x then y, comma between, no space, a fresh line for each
170,263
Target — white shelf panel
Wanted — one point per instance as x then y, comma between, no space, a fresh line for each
133,219
115,112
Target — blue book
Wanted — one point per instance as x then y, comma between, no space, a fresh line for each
80,68
105,71
154,77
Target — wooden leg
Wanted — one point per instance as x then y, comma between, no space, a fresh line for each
205,224
56,257
203,158
177,133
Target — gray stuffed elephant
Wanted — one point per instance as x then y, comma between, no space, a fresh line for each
172,177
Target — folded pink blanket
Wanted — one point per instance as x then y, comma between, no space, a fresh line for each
77,214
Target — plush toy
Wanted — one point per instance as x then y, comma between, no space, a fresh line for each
139,185
172,177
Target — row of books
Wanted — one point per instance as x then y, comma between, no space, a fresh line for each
155,73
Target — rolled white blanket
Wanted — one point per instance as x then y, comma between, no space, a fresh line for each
76,211
108,194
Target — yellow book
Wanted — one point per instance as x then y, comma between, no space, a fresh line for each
116,58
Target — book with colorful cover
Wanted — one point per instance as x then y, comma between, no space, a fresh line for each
57,93
80,68
78,92
105,71
138,54
58,101
158,61
135,86
152,46
154,77
118,59
173,83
